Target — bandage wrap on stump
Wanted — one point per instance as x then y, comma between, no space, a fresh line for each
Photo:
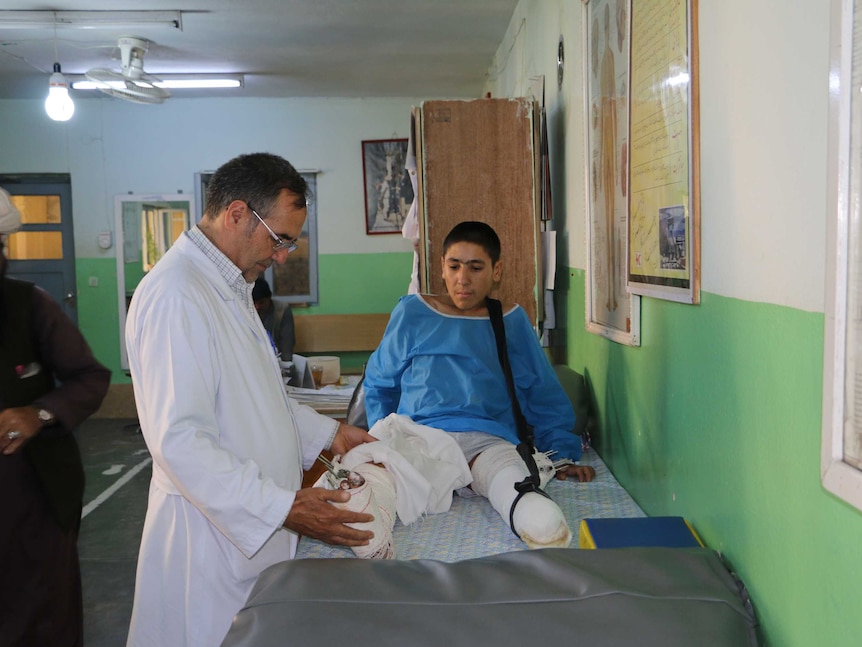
536,519
375,497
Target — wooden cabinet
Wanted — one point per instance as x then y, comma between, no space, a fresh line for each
478,160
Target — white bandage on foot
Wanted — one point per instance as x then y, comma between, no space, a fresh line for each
376,497
537,520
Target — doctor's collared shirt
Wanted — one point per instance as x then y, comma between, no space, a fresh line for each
231,273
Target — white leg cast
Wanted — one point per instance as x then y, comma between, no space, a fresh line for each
540,522
537,520
376,497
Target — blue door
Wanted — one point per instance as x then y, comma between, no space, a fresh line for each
43,251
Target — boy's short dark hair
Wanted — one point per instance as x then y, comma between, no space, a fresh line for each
478,233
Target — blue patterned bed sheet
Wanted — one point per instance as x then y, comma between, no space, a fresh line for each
472,528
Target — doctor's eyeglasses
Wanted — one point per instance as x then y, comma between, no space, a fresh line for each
280,243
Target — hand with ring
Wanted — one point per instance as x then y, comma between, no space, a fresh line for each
17,426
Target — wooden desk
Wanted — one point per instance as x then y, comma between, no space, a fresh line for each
343,333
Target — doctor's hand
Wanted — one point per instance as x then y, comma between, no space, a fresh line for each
347,437
312,515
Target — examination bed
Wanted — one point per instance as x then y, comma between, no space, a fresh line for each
463,578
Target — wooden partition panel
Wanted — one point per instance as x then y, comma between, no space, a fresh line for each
478,162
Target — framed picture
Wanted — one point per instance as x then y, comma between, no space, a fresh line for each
388,190
664,135
611,310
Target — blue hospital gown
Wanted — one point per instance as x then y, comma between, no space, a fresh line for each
443,371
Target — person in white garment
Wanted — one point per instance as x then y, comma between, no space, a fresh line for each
228,446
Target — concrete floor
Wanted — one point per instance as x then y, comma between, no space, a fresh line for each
114,508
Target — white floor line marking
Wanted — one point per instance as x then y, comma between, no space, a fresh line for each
113,469
120,482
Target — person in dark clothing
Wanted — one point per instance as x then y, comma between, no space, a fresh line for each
283,336
49,383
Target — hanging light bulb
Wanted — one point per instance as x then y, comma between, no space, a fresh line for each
59,104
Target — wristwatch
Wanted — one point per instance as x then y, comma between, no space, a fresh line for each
46,417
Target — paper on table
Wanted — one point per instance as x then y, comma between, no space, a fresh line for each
300,373
330,400
330,392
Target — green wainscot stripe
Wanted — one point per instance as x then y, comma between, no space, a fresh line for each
361,283
717,418
98,312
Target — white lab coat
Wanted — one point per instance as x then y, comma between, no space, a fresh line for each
228,451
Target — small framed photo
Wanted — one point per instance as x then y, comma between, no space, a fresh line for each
388,189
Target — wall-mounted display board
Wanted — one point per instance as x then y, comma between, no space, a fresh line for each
611,311
664,198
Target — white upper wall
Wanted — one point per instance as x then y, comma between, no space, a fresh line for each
113,147
763,124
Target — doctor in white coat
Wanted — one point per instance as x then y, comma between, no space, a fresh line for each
228,445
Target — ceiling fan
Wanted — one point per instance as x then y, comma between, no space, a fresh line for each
130,83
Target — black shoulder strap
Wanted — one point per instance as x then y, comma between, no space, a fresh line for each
525,433
495,312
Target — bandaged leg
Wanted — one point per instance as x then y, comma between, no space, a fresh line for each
536,519
376,497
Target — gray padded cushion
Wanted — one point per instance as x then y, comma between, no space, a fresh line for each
631,596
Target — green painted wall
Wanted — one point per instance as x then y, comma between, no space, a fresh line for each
716,417
349,283
361,283
98,317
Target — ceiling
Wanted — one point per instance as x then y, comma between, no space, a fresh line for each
285,48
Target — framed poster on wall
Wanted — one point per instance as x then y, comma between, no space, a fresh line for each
388,189
610,310
664,199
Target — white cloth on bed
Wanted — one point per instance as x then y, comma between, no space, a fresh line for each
427,465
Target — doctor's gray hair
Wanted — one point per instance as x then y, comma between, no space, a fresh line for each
256,179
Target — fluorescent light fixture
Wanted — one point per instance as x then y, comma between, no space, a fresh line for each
90,19
174,81
191,84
